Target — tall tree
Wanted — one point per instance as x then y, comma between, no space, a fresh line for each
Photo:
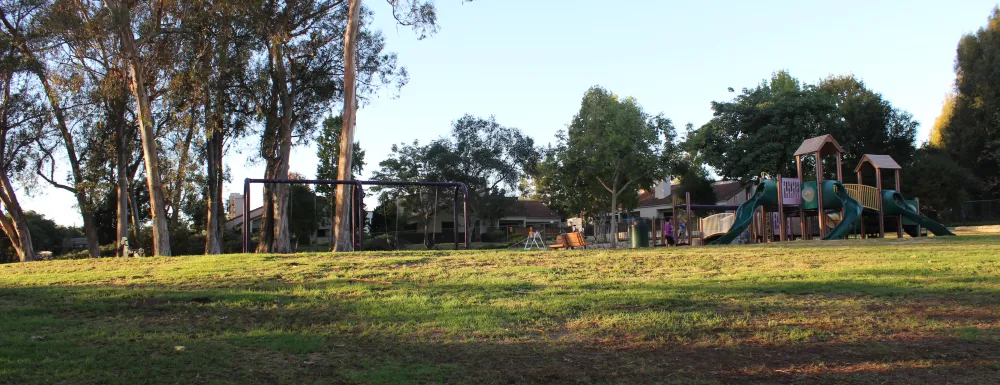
418,14
141,55
301,75
22,123
46,38
762,126
328,153
615,148
972,134
490,159
939,182
870,124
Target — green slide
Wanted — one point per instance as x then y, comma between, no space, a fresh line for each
894,204
766,194
852,209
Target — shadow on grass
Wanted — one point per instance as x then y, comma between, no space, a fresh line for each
509,332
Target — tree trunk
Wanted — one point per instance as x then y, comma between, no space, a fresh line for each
614,220
122,213
121,171
266,238
16,226
213,232
137,83
93,245
282,240
182,164
344,201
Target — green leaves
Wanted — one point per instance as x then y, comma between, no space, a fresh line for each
612,147
970,130
760,128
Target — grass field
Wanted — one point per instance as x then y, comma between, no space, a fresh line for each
882,311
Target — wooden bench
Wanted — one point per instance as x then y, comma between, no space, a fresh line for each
569,241
560,242
576,240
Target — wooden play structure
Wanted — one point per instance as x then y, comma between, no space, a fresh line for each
821,207
839,209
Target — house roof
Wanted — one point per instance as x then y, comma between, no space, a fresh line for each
530,209
727,189
724,190
648,198
884,162
824,144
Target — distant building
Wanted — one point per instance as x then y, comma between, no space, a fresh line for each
520,214
654,204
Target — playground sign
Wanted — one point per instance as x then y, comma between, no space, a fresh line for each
791,191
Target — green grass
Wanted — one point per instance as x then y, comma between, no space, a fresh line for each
878,311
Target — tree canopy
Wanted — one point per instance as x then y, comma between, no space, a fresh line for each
759,130
611,149
970,124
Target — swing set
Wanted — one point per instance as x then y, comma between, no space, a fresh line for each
357,216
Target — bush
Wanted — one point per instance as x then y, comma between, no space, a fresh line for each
108,250
383,242
497,235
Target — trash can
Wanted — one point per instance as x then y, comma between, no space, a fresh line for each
640,233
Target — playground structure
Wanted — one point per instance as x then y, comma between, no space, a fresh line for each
839,209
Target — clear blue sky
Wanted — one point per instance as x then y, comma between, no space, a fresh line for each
528,63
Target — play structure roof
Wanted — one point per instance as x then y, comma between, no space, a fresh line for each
824,144
884,162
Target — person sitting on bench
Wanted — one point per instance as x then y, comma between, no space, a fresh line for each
668,231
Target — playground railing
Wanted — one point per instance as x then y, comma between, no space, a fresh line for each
868,196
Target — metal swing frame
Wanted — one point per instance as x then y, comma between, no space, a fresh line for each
357,194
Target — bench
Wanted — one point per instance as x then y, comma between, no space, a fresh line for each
560,242
569,241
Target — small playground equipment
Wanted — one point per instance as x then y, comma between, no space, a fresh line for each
840,209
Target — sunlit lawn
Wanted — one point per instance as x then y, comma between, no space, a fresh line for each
886,311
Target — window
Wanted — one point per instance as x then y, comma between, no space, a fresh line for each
321,233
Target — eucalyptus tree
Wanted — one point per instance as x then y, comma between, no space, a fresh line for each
298,76
422,17
23,121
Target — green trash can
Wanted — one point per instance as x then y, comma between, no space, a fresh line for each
640,233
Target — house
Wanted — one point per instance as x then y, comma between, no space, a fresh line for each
520,214
234,219
653,204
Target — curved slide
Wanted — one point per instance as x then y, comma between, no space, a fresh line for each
766,191
852,210
894,204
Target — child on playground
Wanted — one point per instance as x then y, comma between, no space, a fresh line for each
668,231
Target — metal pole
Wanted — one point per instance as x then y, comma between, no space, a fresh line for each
246,214
353,218
361,213
465,214
454,218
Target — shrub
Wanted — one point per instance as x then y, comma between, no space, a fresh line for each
383,242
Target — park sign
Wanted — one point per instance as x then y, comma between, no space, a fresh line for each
791,191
